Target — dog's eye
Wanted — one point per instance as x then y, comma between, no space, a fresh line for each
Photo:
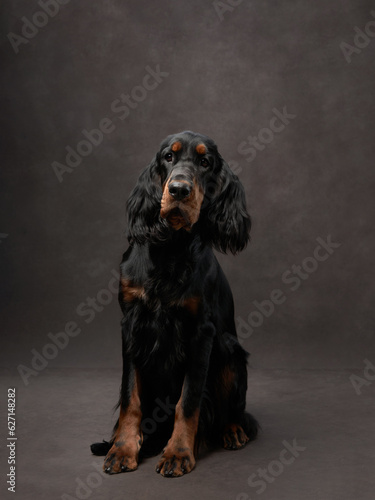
169,157
204,162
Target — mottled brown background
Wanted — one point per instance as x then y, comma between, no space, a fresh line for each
315,178
60,242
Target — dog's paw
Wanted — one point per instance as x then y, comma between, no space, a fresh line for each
121,458
234,437
176,462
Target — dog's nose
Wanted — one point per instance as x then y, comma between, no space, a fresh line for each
179,190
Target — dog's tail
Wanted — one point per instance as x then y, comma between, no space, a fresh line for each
101,449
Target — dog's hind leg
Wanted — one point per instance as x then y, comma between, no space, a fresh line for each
241,427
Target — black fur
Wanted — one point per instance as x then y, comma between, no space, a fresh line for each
181,353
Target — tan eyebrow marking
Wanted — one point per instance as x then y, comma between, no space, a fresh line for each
176,146
201,149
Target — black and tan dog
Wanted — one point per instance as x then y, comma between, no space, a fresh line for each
184,372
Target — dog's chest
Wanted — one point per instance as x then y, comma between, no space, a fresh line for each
160,300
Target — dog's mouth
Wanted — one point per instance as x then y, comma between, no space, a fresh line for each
177,217
181,213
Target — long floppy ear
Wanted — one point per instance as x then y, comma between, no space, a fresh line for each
143,208
228,222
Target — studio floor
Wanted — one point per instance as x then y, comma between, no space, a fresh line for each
317,441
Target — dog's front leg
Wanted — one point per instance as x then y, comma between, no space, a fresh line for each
127,435
178,456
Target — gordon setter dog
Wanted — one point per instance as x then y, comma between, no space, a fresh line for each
184,377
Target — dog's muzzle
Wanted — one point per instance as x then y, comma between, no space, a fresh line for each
181,202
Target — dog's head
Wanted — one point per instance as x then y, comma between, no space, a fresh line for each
187,187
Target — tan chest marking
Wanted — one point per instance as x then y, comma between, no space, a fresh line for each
130,291
191,304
